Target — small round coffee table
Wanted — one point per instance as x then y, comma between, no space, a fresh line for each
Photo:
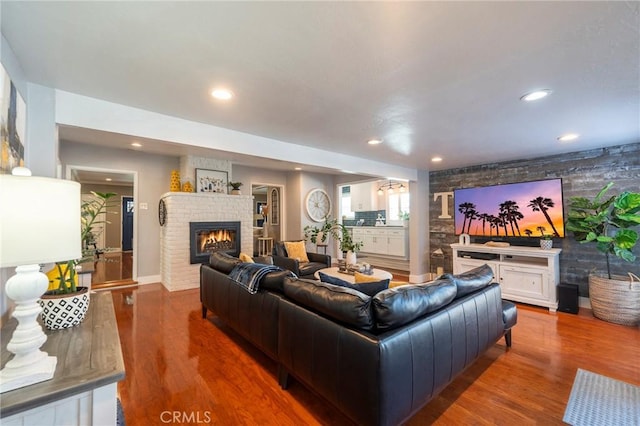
333,271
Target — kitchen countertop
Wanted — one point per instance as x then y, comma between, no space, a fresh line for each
376,227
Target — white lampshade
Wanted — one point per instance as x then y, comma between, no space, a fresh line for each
39,220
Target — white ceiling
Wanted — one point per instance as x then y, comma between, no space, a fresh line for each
429,78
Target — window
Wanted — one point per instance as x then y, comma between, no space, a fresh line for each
345,203
397,203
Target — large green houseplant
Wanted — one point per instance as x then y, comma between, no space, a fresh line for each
65,304
331,227
608,222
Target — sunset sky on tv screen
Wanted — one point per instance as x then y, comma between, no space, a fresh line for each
527,209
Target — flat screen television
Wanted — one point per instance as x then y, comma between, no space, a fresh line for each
515,210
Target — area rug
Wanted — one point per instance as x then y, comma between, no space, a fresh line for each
599,400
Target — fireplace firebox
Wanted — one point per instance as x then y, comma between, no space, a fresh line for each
211,237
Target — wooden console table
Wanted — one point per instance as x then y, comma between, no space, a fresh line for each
83,388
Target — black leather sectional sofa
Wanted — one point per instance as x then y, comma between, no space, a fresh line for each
378,359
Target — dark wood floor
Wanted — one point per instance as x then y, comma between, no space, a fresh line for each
177,362
112,269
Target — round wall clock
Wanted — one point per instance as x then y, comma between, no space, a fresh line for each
162,213
318,205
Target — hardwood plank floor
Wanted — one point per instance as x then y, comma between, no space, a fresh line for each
195,371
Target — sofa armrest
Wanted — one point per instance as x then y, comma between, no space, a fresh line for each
287,263
320,258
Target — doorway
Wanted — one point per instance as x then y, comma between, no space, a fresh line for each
267,214
127,223
116,264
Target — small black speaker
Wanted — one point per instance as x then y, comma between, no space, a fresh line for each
568,298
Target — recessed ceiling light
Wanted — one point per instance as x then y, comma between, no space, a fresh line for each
436,159
374,141
222,94
136,144
536,95
568,137
297,168
108,179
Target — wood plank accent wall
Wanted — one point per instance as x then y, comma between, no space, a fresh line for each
583,173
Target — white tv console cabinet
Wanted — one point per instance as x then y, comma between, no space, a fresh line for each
526,274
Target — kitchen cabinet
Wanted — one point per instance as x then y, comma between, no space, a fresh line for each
526,274
364,197
389,241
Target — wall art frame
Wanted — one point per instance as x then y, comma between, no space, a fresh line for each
212,181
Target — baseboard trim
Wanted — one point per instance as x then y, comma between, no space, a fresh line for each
417,279
149,279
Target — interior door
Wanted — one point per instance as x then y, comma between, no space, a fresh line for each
127,223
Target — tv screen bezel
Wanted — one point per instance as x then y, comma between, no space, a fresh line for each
523,237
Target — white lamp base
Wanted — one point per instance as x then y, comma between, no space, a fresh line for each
29,365
18,377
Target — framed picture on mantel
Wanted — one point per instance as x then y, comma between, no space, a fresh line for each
212,181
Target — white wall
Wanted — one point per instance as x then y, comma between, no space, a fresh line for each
14,69
154,174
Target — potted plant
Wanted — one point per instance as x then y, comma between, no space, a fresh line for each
546,242
347,245
319,235
404,217
608,222
235,187
65,303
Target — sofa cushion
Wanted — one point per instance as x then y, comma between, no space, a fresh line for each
266,260
472,280
296,250
274,280
223,262
308,269
244,257
342,304
370,288
279,250
401,305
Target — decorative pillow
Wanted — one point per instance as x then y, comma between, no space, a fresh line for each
401,305
340,303
472,280
296,250
394,284
369,288
244,257
363,278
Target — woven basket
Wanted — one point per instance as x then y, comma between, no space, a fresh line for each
616,300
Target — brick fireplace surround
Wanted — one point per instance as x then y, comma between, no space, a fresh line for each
176,272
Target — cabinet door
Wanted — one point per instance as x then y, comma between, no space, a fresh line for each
524,281
368,241
380,241
396,243
462,264
362,197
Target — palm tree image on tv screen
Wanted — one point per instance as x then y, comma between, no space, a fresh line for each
525,209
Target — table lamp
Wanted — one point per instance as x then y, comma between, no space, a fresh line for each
39,223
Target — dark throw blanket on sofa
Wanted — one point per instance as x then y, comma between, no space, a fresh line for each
248,275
